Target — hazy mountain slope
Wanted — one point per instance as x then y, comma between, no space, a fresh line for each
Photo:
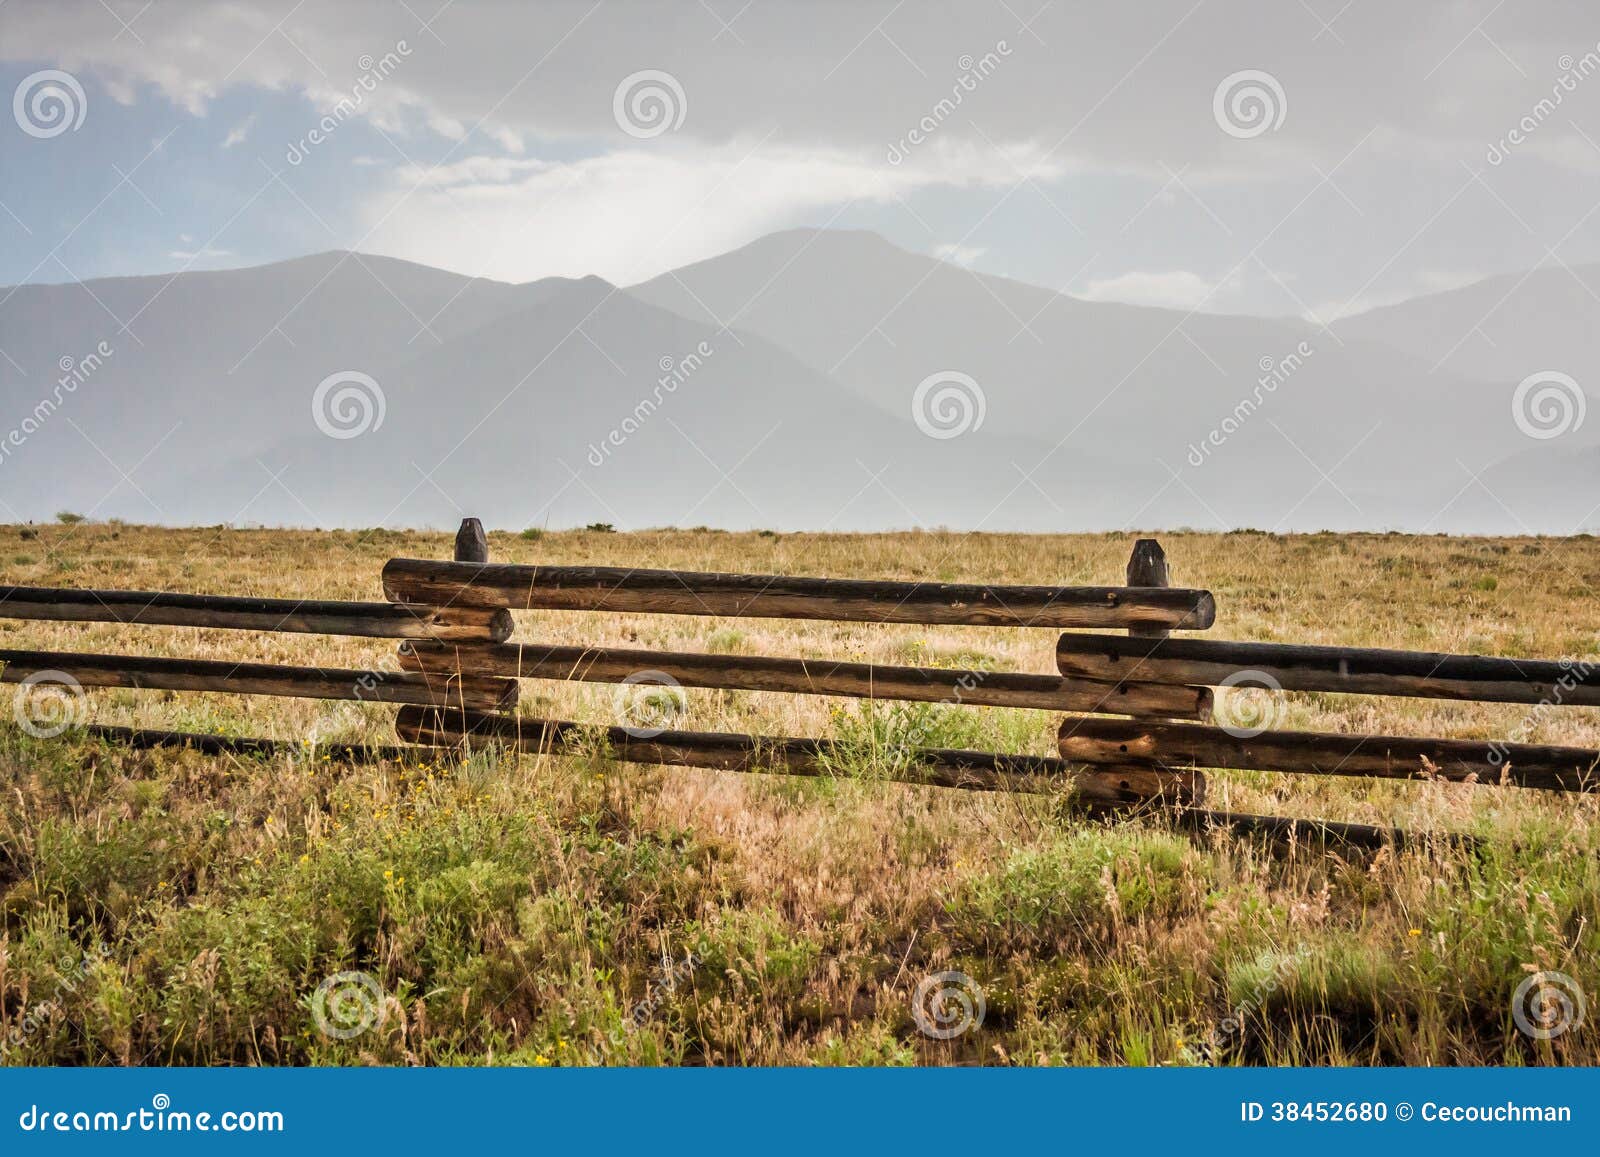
1536,337
556,415
1540,481
1344,432
796,405
1502,328
210,363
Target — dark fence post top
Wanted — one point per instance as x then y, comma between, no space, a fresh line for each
472,545
1147,565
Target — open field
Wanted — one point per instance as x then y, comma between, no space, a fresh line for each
167,907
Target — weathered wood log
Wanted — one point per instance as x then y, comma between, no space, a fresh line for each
809,677
1177,746
1297,831
142,738
1275,827
1358,670
145,738
163,674
322,617
727,751
623,589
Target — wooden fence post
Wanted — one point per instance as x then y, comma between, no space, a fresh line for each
1147,567
472,545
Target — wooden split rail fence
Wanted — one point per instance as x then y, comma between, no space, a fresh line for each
1138,725
618,590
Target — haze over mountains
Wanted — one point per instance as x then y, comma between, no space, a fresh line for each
812,379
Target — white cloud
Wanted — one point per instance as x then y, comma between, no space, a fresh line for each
1177,289
1444,280
201,254
238,133
631,214
960,254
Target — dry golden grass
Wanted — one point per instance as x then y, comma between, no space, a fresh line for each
517,910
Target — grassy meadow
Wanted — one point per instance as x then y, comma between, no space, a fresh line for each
166,907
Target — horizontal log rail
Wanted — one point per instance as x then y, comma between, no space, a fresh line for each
1357,670
162,674
809,677
1178,746
1240,824
729,751
312,616
148,738
1284,829
672,592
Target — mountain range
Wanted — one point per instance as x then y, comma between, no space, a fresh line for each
813,379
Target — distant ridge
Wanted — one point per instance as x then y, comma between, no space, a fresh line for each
810,379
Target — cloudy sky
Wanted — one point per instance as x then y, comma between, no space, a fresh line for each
1300,157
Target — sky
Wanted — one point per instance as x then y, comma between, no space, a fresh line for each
1296,158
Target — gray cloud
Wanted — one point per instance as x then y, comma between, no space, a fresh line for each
1113,85
1365,192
